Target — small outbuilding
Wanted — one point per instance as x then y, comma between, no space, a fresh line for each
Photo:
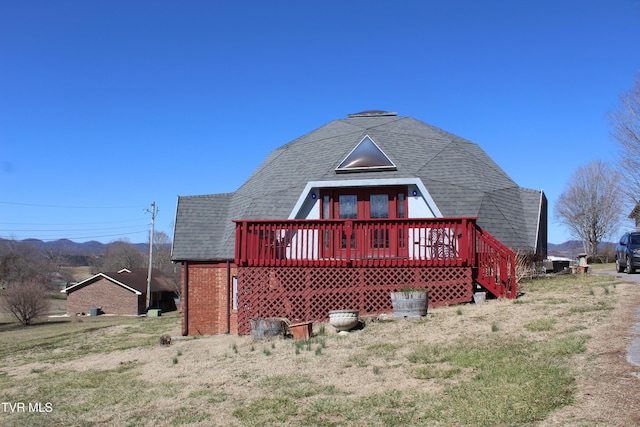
122,293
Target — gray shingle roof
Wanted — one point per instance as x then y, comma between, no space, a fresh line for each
201,227
461,178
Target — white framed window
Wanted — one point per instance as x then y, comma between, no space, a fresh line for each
235,292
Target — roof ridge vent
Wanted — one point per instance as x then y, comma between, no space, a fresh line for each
372,113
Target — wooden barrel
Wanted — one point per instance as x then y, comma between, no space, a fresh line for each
266,328
409,304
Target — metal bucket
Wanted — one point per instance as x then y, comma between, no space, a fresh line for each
479,297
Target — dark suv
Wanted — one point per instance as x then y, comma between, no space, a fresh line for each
628,252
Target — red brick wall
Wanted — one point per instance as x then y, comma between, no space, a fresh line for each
207,299
111,298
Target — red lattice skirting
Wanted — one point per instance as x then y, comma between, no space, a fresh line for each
309,293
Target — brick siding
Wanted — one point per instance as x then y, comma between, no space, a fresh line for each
111,298
207,299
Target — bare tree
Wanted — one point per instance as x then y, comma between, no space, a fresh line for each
24,276
21,263
55,254
122,254
161,250
162,259
625,131
26,301
590,206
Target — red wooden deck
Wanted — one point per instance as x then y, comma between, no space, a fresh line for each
301,269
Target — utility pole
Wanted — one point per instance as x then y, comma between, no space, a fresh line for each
153,212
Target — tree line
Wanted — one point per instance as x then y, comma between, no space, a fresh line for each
28,275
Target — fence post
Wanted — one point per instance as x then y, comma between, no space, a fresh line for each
239,237
463,242
473,245
348,229
513,291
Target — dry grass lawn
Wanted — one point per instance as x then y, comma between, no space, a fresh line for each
567,335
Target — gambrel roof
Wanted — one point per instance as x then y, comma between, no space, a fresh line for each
460,178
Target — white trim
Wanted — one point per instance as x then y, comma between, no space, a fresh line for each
431,204
234,305
109,278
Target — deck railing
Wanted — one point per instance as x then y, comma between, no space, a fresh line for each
445,242
380,242
496,265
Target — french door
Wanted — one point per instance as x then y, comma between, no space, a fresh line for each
373,238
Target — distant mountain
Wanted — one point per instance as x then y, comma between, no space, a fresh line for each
571,248
568,249
69,247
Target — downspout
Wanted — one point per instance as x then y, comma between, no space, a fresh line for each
229,297
185,299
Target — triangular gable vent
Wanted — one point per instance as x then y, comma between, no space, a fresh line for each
364,157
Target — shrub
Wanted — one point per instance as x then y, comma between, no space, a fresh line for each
26,301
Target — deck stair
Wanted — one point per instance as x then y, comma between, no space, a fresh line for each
495,266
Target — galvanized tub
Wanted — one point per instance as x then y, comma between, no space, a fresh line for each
266,328
409,304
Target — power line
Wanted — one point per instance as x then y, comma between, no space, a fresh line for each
67,223
89,237
77,234
71,230
72,207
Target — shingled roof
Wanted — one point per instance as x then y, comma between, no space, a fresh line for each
134,279
460,178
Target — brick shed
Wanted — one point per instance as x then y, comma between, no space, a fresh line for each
122,293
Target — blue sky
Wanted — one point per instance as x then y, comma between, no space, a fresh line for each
108,106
